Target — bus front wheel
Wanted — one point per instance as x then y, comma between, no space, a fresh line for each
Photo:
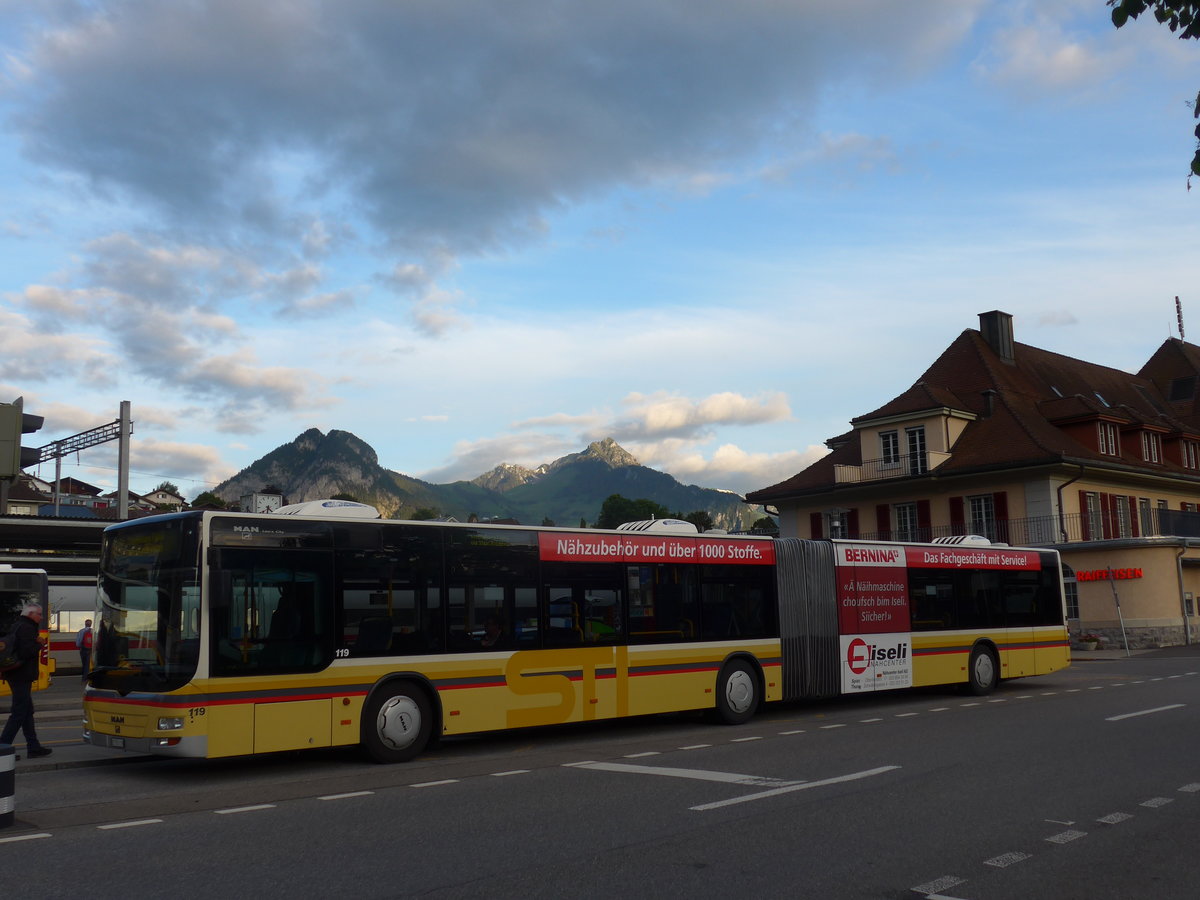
982,671
737,693
397,723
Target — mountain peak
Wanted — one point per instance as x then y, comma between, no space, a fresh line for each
611,452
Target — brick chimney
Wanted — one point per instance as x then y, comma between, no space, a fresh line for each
997,329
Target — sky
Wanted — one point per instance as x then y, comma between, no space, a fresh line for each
474,232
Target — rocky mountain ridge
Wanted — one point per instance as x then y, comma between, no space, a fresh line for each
565,491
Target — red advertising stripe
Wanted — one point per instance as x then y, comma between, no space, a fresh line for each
643,548
957,557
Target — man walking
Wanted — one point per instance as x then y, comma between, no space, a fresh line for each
20,680
83,641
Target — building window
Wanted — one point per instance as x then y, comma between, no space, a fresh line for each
917,461
1108,440
1071,591
982,512
906,522
1151,447
1120,508
1093,521
889,446
837,521
1191,454
1146,517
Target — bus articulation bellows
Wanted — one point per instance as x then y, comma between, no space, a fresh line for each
225,634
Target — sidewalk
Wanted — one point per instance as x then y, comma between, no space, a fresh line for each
59,705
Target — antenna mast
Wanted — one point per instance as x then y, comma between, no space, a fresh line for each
1179,316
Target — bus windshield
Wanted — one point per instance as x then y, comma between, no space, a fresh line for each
148,637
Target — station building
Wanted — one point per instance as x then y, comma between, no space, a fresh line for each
1036,449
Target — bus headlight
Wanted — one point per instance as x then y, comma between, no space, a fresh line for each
170,723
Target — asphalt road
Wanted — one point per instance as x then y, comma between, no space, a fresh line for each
1080,784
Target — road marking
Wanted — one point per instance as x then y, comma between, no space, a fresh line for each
932,887
703,746
696,774
939,709
1007,859
133,824
347,795
839,725
510,772
906,715
869,721
1059,822
241,809
1096,687
1114,818
24,837
802,786
434,783
1190,788
1049,693
999,700
745,739
795,731
640,755
1025,697
965,705
1156,802
1065,837
1144,712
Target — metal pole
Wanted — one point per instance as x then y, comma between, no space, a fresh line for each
57,484
1117,600
123,462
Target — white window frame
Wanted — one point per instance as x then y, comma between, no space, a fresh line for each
1109,440
889,448
981,515
907,524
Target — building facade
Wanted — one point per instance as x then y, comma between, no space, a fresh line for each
1032,448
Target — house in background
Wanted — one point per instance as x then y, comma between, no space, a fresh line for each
1032,448
159,499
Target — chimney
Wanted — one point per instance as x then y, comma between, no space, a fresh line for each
989,402
996,328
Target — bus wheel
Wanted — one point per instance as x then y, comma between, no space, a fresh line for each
982,671
737,693
396,723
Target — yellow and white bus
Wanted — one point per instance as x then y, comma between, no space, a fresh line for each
224,634
19,587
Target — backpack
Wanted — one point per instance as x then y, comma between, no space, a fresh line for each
8,652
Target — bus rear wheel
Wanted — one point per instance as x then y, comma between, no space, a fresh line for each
396,723
737,693
982,672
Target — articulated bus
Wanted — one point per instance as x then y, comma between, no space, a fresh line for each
17,588
226,634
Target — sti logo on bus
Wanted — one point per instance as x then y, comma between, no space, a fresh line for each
860,655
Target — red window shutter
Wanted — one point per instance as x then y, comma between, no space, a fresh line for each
1000,510
924,521
852,522
958,518
1133,516
883,521
814,525
1085,525
1106,515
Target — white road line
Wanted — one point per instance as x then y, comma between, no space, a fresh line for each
803,786
1190,788
24,837
703,746
906,715
965,705
1144,712
1007,859
745,739
133,824
1114,818
1049,693
940,709
932,887
640,755
839,725
1065,837
1156,802
695,774
1096,687
347,795
795,731
434,783
999,700
869,721
1025,697
510,772
241,809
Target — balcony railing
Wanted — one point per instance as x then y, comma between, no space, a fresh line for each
898,467
1073,528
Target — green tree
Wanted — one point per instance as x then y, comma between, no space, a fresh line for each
342,495
208,500
1182,16
547,522
701,518
618,510
170,487
425,513
766,524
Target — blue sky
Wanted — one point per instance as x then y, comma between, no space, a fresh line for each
473,233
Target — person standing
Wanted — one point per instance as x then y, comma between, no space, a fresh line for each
83,641
20,680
